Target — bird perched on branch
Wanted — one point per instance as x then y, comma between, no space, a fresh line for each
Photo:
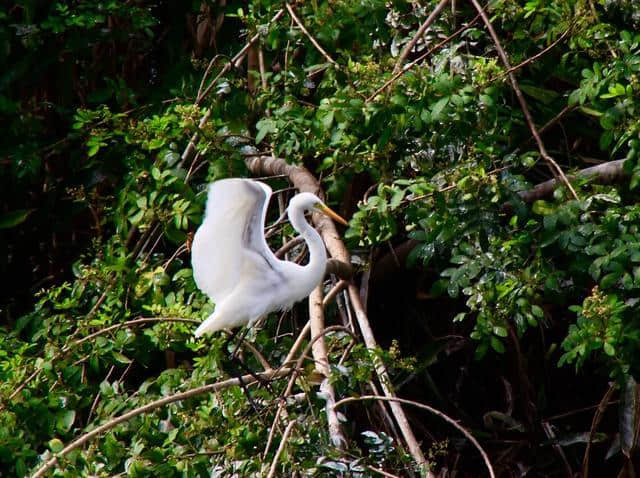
233,264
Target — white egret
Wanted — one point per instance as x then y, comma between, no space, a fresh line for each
233,264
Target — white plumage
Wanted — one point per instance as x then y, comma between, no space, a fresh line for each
233,264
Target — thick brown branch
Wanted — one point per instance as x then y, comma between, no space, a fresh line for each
341,269
605,173
321,358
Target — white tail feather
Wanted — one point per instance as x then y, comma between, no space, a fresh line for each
210,325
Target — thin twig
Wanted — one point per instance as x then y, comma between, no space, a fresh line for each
334,292
283,443
553,166
206,73
94,405
553,121
382,472
256,353
440,414
238,56
576,411
294,375
397,75
176,397
288,246
548,429
533,58
409,46
306,32
186,154
602,406
68,347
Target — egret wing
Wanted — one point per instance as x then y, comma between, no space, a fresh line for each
231,240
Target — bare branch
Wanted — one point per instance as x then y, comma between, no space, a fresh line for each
74,344
397,75
236,59
263,72
605,173
442,415
256,353
558,449
555,169
176,397
188,151
334,292
409,46
553,121
602,406
321,357
385,380
287,246
311,39
534,57
382,472
339,268
206,73
283,443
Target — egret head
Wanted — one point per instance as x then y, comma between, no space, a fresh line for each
311,202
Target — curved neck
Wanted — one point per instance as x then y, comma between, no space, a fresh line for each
317,252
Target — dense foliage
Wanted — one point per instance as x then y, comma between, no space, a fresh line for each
512,312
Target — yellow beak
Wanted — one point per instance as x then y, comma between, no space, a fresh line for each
333,215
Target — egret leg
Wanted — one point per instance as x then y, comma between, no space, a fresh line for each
235,373
234,360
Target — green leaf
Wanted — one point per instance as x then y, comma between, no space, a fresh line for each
543,207
497,345
120,358
65,420
438,107
537,311
56,445
14,218
264,127
610,279
541,94
397,198
327,120
608,349
500,331
93,149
